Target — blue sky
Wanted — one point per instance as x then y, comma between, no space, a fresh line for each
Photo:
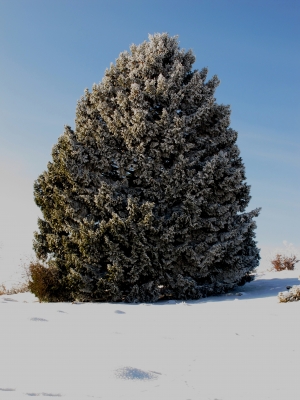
50,51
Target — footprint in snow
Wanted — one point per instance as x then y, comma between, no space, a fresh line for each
52,394
8,299
130,373
62,311
120,312
7,389
38,319
44,394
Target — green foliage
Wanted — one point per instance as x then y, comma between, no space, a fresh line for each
146,198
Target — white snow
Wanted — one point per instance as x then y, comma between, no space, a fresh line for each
230,347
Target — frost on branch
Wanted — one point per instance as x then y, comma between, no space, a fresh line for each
145,199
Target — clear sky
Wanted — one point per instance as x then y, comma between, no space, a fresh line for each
51,50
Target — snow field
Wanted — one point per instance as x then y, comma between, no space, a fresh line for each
226,347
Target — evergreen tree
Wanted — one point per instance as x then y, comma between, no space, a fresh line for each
146,198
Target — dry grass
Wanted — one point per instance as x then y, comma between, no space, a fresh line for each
23,285
19,288
281,263
292,295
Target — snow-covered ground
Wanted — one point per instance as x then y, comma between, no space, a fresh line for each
243,346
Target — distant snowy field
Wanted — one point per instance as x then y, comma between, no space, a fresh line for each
242,346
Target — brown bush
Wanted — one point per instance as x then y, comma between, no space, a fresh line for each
43,281
281,262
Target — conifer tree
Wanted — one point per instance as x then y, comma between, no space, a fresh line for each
146,198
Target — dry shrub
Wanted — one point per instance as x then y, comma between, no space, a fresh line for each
42,281
281,262
292,295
